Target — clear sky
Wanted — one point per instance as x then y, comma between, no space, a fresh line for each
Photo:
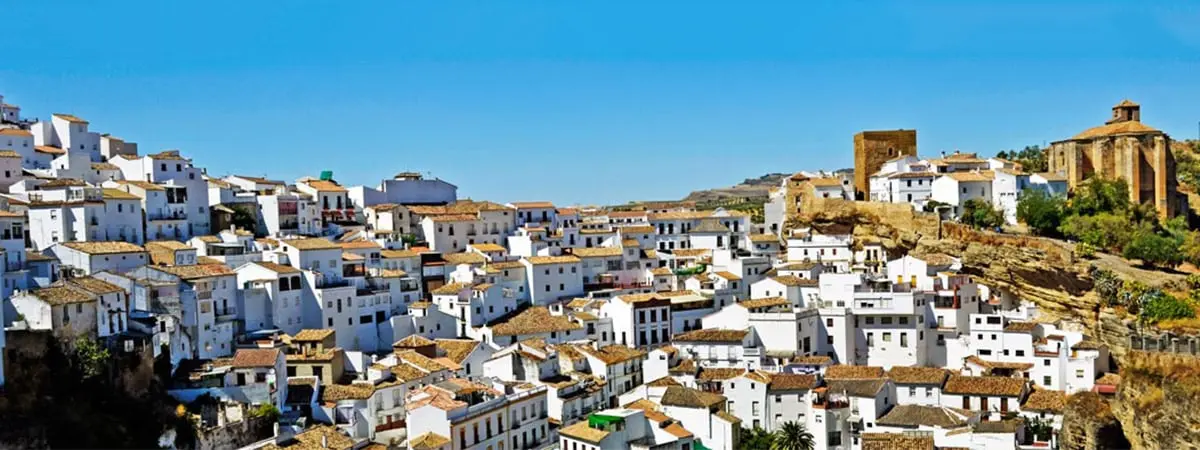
591,102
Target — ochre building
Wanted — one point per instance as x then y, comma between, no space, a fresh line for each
1123,148
872,149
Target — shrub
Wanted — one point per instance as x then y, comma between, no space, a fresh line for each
978,213
1162,306
1085,250
1107,231
1153,250
1043,213
1108,286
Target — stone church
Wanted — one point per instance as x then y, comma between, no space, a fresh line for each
1124,148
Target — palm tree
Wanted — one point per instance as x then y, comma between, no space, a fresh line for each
792,436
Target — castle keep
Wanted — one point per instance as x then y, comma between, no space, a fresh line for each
872,149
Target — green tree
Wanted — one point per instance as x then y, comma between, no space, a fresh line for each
1031,158
792,436
1153,249
979,213
92,357
1098,195
1107,231
755,439
1042,212
244,220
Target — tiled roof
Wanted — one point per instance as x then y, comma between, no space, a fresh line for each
896,441
61,295
144,185
1128,127
457,349
405,373
70,118
322,437
15,132
812,360
933,416
167,155
582,431
663,382
685,366
791,382
826,182
728,275
311,335
413,340
966,177
921,174
530,205
420,361
764,238
49,149
767,302
312,244
690,398
325,186
691,252
1109,379
661,271
428,441
848,372
1045,400
355,391
857,387
198,271
1087,344
596,252
534,320
117,194
276,267
95,285
398,253
1020,327
489,247
464,258
255,357
612,354
450,289
711,335
793,281
104,247
995,386
918,375
719,373
565,259
998,364
359,245
465,217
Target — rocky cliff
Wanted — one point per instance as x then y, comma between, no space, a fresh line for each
1155,408
1157,400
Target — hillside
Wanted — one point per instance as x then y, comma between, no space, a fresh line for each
748,189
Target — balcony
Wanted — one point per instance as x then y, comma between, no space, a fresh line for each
170,215
204,295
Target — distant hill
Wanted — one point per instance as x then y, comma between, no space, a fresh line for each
748,189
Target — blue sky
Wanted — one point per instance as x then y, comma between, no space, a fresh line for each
592,102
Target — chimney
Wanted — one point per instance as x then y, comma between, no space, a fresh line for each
943,153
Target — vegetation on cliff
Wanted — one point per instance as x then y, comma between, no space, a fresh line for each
77,394
1100,217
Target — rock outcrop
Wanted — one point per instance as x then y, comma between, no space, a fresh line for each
1157,400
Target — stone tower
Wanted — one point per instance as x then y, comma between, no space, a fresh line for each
872,149
1123,148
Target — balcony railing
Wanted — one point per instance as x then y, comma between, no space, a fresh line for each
173,215
204,295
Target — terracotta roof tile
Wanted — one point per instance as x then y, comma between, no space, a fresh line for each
104,247
996,386
918,375
690,398
1045,400
534,320
311,335
711,335
792,382
843,371
255,357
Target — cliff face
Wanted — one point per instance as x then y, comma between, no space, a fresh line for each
1157,400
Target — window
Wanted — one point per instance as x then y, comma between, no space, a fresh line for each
1020,352
870,321
887,337
886,321
1078,373
829,322
1046,362
1046,380
903,321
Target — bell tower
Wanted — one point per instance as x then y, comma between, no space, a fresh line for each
1126,111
